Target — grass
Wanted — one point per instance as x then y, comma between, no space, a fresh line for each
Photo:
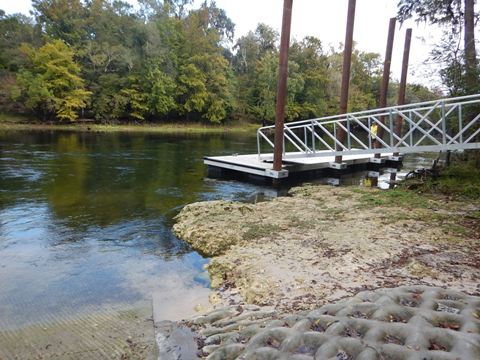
394,198
332,213
459,179
12,119
344,196
296,222
397,217
455,229
15,122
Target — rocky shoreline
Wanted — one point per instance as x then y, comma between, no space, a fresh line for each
321,244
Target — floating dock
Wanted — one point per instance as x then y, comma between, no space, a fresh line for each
314,143
294,162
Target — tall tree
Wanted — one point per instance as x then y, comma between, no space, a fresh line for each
50,84
456,17
62,19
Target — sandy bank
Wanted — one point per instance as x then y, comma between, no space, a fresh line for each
321,244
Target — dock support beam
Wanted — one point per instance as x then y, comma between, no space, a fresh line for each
347,63
282,85
385,79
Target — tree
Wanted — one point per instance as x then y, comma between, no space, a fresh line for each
312,63
50,84
160,89
62,19
15,30
459,73
173,59
204,80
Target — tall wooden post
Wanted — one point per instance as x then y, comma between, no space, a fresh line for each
282,84
347,63
386,78
403,81
469,45
401,93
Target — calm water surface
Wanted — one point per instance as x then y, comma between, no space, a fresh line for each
85,219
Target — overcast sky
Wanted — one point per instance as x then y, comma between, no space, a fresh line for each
326,20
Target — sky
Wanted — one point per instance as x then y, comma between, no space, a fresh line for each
326,19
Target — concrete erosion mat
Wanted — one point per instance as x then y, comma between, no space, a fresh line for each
321,244
412,322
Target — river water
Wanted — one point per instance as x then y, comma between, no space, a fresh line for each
85,220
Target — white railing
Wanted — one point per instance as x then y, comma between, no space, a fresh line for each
446,124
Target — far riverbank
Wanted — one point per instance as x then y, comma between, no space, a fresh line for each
164,128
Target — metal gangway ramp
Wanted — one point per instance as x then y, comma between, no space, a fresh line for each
440,125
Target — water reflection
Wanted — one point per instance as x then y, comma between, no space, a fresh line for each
85,218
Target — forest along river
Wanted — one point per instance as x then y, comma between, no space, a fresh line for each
85,228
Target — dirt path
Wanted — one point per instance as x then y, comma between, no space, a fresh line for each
321,244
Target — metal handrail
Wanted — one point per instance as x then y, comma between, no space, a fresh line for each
386,109
429,119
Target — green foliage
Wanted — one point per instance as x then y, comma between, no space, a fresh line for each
167,60
442,12
459,179
50,83
264,88
458,66
136,100
160,89
192,88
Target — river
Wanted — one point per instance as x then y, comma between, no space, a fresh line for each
85,221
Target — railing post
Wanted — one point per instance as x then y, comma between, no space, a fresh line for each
460,123
313,136
410,128
258,144
444,125
390,118
369,133
349,135
305,136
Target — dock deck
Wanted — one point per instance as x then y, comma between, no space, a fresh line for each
315,142
293,162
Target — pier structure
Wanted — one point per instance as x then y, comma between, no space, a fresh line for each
439,125
349,139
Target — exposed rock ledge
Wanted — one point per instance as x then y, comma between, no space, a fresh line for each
321,243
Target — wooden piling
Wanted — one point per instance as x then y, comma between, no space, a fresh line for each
282,84
403,82
347,63
385,79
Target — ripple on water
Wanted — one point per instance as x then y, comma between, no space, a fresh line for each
85,221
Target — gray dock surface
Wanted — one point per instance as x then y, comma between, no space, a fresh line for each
293,162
